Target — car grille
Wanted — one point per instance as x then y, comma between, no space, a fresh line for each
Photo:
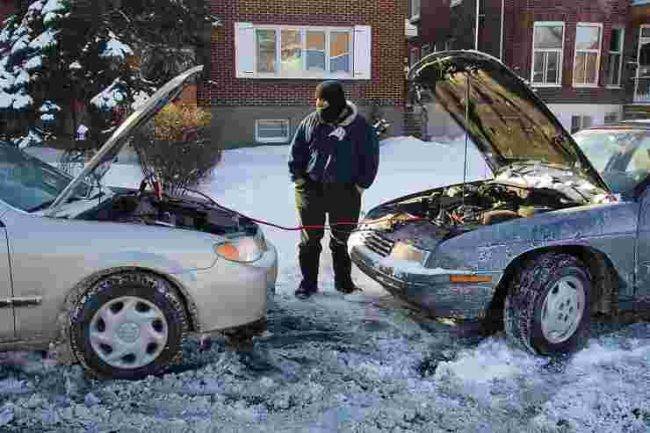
378,244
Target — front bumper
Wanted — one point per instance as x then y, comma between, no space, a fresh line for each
431,290
231,295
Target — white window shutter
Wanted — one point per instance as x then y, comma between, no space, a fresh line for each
362,52
245,50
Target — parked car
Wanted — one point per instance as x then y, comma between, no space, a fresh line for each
121,276
555,236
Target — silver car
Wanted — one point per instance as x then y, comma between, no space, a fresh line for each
545,243
117,276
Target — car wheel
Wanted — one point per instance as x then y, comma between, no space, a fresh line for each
128,326
547,306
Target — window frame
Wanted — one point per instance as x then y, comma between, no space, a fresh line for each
277,140
279,75
598,58
620,61
545,50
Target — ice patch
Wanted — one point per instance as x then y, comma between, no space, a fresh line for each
6,414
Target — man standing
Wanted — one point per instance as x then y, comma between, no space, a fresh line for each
334,157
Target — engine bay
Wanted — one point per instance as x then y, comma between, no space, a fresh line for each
175,212
466,207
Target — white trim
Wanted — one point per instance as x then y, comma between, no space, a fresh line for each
637,75
272,139
304,75
590,51
552,50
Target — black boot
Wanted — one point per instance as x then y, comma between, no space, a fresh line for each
342,269
308,256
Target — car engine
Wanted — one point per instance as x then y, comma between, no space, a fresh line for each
175,212
474,204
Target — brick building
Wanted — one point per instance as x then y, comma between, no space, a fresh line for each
269,55
579,55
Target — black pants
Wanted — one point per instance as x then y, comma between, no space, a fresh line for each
341,203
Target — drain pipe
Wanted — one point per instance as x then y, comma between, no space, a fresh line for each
503,8
478,11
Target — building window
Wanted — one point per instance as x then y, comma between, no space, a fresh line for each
587,58
580,122
548,46
264,51
611,117
615,58
415,9
272,131
426,49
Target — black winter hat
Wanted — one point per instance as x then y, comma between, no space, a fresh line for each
332,92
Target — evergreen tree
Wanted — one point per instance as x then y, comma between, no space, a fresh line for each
68,62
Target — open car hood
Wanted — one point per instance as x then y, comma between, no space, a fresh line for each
508,123
102,159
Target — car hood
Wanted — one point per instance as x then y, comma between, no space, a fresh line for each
506,120
101,161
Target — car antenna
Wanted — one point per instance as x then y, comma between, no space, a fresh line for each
466,133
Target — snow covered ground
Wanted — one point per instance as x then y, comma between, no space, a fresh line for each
356,363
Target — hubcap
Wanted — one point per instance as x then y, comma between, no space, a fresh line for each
562,310
128,332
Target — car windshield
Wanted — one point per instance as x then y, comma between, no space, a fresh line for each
28,183
621,156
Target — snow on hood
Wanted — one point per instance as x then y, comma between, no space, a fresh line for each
506,121
118,140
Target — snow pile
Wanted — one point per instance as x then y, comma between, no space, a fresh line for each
110,97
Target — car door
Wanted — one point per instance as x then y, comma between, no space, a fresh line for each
640,163
6,307
642,292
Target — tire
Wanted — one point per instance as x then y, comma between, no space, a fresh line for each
547,308
128,326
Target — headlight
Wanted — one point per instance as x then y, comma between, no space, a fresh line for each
404,251
243,250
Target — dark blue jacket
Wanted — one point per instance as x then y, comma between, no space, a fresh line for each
347,152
